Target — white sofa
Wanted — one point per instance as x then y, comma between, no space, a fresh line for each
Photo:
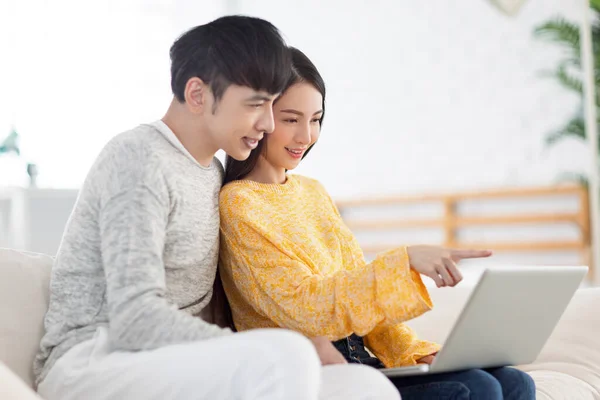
568,368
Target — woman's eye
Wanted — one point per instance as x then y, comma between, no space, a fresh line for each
291,121
256,105
316,120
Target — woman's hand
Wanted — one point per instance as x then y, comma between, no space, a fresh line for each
439,263
328,354
427,359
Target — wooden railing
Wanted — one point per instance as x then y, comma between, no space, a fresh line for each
451,222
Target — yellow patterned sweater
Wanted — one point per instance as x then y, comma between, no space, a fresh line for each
288,260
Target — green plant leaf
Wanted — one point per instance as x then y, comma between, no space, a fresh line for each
561,31
575,177
574,128
569,74
566,78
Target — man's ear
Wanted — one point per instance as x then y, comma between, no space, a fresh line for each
195,93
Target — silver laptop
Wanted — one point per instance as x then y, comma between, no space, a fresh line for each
506,321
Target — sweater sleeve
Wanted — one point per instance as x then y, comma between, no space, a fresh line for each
398,345
276,283
132,229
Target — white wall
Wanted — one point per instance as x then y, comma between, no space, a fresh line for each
34,219
431,95
423,96
74,73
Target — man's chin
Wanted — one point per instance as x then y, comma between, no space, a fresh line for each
239,155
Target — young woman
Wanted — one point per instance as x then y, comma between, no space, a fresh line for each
288,260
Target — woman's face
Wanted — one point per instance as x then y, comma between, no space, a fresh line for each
297,114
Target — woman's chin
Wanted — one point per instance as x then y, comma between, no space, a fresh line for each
291,166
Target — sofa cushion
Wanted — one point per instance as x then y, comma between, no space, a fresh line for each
573,352
24,283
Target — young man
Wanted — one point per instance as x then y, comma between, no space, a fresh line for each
138,257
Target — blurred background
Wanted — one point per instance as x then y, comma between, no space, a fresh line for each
458,123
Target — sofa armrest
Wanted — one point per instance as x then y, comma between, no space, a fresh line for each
13,388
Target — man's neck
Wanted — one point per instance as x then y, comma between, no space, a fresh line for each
264,172
190,133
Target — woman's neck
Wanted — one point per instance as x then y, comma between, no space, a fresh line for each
264,172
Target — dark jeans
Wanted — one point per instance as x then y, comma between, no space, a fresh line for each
474,384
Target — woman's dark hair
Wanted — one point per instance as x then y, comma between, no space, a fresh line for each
240,50
220,310
303,71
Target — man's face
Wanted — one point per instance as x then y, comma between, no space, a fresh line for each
240,119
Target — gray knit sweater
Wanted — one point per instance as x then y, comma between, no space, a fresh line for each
140,250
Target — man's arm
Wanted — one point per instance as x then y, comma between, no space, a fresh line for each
132,228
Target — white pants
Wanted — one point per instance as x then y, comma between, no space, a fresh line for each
265,364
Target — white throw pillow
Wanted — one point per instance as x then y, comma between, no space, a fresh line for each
24,292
